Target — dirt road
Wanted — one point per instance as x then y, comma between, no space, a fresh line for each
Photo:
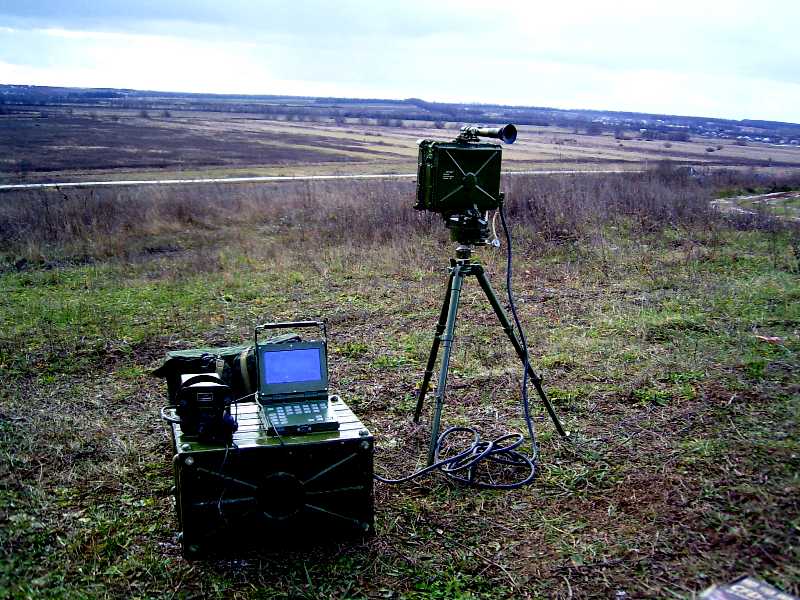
782,205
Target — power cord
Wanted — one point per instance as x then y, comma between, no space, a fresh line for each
523,341
462,467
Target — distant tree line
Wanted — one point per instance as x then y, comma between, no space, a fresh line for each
669,135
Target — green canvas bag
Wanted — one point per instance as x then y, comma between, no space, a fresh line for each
236,365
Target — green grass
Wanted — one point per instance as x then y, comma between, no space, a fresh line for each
683,470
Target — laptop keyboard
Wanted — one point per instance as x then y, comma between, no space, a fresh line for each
282,414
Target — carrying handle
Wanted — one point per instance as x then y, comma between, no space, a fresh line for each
203,378
292,325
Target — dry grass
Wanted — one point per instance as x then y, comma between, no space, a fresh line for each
42,226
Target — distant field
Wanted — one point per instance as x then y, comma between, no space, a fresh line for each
79,144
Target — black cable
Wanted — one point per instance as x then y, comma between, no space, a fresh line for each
241,398
169,419
166,417
462,467
523,340
228,446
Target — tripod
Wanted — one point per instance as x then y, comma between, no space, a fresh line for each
460,268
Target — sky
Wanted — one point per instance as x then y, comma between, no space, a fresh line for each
736,59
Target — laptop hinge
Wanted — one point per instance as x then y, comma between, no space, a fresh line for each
294,397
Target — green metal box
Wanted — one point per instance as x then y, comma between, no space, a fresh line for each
266,492
453,177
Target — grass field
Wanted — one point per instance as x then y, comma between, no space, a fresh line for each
667,333
60,144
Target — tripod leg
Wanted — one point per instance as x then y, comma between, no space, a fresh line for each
486,286
447,340
426,380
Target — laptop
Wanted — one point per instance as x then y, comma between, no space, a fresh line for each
293,388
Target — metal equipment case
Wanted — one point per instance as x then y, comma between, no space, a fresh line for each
454,176
269,492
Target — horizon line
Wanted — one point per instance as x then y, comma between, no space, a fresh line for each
403,100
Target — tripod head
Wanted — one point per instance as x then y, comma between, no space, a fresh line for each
470,228
463,253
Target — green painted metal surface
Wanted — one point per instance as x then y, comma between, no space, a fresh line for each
454,177
264,492
252,434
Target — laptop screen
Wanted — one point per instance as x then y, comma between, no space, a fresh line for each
290,366
296,368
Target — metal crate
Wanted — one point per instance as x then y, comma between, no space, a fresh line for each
265,492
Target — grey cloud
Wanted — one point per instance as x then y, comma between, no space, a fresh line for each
315,17
746,40
585,52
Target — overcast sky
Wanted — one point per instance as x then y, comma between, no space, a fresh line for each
733,58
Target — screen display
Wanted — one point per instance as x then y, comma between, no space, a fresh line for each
290,366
